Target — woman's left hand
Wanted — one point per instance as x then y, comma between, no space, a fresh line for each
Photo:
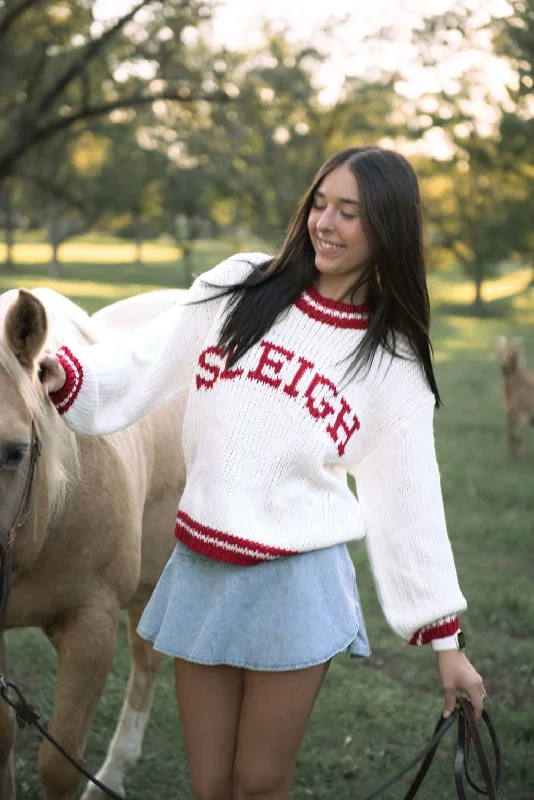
458,674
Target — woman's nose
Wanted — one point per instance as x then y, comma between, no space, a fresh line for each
326,220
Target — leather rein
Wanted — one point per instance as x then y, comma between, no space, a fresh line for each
468,729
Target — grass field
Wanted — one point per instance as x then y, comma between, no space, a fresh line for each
371,716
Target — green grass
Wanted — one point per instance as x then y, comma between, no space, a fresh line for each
371,715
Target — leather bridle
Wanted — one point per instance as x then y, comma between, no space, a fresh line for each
8,534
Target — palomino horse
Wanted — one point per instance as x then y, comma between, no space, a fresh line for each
96,540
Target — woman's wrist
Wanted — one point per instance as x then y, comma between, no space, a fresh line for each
454,642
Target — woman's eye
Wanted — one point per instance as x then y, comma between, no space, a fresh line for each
318,207
348,216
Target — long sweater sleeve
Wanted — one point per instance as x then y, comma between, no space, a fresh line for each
399,492
113,383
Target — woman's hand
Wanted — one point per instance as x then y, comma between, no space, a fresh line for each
52,374
457,674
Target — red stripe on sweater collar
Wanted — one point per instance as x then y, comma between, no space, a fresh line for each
332,312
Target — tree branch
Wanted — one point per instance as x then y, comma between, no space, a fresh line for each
9,160
11,16
448,239
92,49
57,191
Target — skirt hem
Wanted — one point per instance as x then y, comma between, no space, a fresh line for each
254,667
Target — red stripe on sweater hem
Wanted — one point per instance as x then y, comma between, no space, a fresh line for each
437,631
328,317
223,546
65,397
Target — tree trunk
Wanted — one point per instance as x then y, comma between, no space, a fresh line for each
54,239
8,219
478,277
479,304
187,250
138,240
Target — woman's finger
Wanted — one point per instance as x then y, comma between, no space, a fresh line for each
477,697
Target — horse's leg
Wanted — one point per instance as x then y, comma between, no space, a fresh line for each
7,738
125,748
85,642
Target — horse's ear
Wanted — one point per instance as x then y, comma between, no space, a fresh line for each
26,327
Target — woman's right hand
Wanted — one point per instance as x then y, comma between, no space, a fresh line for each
52,374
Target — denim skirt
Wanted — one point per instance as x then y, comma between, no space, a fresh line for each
278,615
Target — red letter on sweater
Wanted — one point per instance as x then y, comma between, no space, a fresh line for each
317,405
228,374
266,361
213,370
292,388
349,428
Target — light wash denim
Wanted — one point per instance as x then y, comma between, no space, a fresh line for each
279,615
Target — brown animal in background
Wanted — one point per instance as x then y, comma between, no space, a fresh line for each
518,401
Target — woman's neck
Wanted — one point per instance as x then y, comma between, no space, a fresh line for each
333,287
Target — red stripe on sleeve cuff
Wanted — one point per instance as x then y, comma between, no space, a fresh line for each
66,396
438,630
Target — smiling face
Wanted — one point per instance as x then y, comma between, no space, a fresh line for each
342,251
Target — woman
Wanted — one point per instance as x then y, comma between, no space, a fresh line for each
301,368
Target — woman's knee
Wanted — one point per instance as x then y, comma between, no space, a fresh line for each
251,784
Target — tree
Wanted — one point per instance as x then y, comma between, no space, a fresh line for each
250,162
60,68
480,212
514,40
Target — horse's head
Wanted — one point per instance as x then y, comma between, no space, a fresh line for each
509,353
25,331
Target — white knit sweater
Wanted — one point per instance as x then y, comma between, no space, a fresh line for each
268,443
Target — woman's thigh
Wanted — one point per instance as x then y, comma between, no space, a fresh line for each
275,712
209,700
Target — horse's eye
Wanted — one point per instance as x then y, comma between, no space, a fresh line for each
12,459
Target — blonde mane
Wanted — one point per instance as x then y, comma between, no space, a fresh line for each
67,324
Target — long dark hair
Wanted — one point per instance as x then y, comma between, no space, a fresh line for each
397,294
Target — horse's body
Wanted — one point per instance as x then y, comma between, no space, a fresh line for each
98,536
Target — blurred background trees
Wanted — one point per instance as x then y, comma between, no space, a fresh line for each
141,127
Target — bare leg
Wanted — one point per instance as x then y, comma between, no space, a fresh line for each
125,748
275,712
209,699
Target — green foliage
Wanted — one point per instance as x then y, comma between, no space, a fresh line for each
236,136
481,196
60,68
